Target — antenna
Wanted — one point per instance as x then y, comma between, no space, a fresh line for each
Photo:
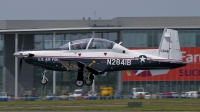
93,34
95,18
23,43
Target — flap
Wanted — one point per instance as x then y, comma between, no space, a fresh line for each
75,65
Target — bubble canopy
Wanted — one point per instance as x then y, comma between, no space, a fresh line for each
89,43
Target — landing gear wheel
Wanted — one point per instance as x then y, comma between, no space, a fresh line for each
79,83
89,81
44,81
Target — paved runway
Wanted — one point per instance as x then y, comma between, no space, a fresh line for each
104,111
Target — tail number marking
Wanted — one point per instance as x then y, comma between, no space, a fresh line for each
163,50
118,62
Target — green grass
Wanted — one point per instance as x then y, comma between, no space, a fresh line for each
112,105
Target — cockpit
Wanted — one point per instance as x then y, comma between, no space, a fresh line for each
89,43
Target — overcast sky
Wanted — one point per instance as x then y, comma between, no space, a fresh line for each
105,9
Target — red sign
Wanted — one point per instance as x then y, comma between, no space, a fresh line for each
188,73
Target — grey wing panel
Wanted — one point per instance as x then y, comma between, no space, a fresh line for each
70,65
75,65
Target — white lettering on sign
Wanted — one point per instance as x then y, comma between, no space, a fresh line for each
191,57
118,62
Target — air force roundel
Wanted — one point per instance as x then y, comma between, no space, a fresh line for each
142,58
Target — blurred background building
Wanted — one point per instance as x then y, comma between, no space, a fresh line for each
134,32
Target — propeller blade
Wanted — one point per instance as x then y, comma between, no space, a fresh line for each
23,43
20,62
20,66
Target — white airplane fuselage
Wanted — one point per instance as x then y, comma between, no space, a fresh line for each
99,56
105,60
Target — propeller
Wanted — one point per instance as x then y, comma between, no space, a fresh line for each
21,59
20,66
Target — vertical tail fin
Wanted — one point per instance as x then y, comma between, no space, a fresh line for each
169,45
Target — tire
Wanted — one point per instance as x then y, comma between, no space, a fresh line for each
79,83
88,82
43,81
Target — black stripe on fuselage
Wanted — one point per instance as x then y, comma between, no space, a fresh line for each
104,65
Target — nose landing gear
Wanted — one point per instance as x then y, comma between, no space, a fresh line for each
44,80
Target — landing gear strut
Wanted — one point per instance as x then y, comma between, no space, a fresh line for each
89,79
44,80
79,81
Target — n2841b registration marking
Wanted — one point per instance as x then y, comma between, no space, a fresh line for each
118,62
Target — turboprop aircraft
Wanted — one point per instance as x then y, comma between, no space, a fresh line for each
96,56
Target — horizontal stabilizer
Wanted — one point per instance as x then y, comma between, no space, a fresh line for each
153,72
128,72
159,72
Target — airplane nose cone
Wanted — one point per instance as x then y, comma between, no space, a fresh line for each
18,54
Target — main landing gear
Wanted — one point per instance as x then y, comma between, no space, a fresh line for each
79,81
44,80
88,81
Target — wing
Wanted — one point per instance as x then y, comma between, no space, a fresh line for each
75,65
